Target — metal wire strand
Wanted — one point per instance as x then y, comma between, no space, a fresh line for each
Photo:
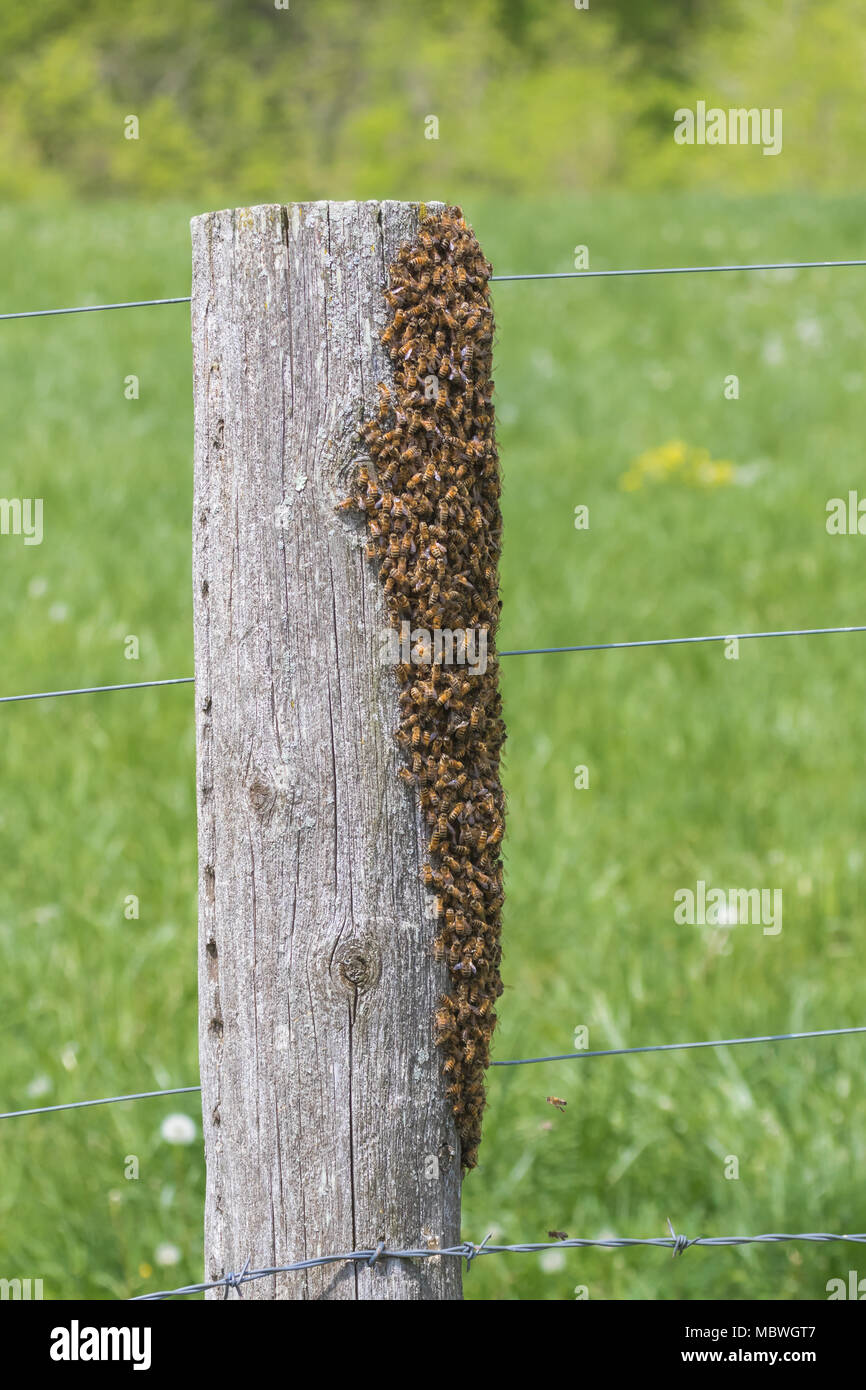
94,689
94,308
679,641
676,1244
104,1100
526,651
679,270
543,275
678,1047
517,1062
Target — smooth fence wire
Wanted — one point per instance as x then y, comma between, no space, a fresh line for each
94,689
527,651
469,1252
515,1062
542,275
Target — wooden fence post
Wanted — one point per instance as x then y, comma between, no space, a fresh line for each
326,1123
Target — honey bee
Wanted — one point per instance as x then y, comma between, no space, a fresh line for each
430,497
558,1102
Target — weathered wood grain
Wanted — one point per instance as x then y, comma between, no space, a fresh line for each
325,1122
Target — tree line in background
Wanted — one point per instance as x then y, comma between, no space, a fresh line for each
237,100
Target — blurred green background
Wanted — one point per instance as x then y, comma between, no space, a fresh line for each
555,130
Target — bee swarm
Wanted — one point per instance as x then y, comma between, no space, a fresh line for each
431,502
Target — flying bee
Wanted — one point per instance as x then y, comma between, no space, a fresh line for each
558,1102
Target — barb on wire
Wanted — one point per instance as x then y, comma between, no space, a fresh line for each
469,1251
94,689
516,1062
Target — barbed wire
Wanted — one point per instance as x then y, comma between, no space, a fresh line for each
677,1244
542,275
528,651
515,1062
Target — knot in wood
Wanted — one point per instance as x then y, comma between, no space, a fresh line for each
357,965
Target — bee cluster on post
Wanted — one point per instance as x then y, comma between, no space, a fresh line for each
430,495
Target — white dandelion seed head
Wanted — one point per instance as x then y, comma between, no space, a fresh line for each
178,1129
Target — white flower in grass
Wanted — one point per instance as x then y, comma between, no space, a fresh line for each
167,1254
39,1086
810,332
37,587
552,1261
178,1129
58,612
69,1056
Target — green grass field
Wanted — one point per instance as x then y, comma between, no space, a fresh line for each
743,772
